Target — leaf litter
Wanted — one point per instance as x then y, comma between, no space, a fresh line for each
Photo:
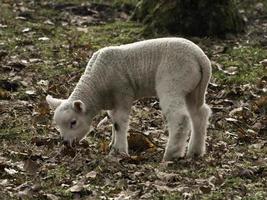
34,164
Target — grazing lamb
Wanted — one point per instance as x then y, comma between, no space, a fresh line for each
174,69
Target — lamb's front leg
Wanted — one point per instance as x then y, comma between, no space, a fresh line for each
120,120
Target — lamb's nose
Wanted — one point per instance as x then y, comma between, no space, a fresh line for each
66,142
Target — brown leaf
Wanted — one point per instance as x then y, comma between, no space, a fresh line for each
16,65
91,174
4,94
42,109
41,141
66,150
236,111
138,142
51,197
76,188
3,53
161,187
4,163
167,177
261,102
104,146
11,171
25,194
205,189
9,85
246,173
264,62
31,166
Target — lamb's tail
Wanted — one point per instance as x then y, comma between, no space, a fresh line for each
198,94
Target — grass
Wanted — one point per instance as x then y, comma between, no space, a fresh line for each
246,59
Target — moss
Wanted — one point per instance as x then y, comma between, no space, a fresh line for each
216,17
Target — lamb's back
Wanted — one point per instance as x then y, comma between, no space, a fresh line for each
133,68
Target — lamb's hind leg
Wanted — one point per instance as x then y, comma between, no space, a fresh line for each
200,116
178,122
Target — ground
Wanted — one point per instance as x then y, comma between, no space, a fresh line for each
44,48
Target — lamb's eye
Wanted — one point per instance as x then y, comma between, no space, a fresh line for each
73,123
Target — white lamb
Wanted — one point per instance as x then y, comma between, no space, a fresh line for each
174,69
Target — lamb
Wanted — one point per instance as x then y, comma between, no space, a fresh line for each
175,70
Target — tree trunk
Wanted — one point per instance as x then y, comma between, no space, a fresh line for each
190,17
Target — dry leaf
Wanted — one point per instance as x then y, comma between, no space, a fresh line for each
25,194
167,177
104,146
138,142
236,111
10,171
31,166
76,188
91,174
264,62
43,38
51,197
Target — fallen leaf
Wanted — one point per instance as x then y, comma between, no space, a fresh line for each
16,65
103,121
49,22
104,146
138,142
236,111
43,82
66,150
3,26
264,62
91,174
31,166
231,119
4,182
167,177
4,94
42,109
25,194
162,187
3,54
231,70
25,30
187,195
261,102
258,145
51,197
205,189
35,60
43,38
85,30
9,85
10,171
76,188
246,173
30,92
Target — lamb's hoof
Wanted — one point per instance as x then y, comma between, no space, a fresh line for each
117,153
195,154
172,157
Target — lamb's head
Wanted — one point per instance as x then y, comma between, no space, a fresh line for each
70,118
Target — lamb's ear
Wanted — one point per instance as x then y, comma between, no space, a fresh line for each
79,106
53,102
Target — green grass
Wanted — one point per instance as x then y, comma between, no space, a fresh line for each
247,61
